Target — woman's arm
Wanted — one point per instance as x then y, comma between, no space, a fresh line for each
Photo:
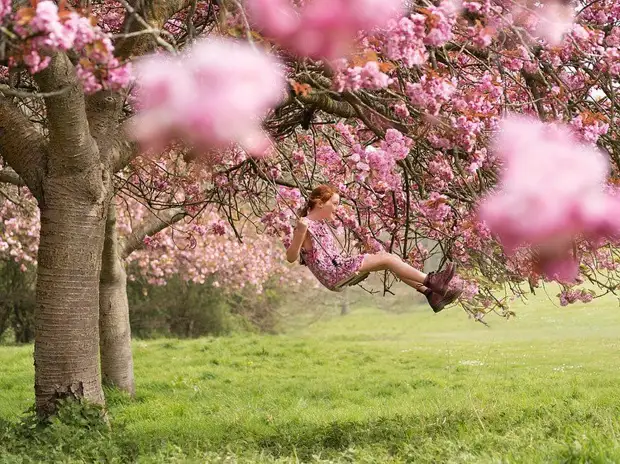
292,252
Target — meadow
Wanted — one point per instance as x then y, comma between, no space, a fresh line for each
371,386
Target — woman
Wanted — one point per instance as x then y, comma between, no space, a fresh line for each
315,244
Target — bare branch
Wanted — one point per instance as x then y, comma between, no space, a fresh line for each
150,18
8,92
152,224
323,102
67,120
22,146
9,176
104,111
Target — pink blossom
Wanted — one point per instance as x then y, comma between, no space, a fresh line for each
46,16
46,32
590,129
555,20
89,81
401,110
5,8
211,97
320,28
431,93
439,27
573,295
368,76
119,75
36,62
404,40
551,190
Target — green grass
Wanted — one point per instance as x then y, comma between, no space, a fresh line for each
368,387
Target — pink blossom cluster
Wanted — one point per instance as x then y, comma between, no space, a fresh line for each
471,288
320,28
430,93
436,209
110,15
211,96
208,249
407,39
377,165
555,19
5,9
440,23
551,191
355,78
590,128
19,229
547,20
403,40
441,171
573,295
611,61
45,30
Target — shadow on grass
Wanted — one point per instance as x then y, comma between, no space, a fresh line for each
78,435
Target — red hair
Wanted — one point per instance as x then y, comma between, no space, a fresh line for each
321,194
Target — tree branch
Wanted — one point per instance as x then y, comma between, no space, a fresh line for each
67,120
148,16
152,224
104,110
8,176
323,102
22,146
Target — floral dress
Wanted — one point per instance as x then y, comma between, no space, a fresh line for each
324,260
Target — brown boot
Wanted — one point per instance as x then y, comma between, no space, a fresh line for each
439,302
439,282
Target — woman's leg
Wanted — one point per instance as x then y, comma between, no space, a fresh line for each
412,283
437,282
387,261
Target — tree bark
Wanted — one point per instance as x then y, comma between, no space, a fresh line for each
66,319
114,329
8,176
146,15
75,192
22,147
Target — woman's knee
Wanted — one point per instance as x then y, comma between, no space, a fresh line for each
391,258
384,259
375,262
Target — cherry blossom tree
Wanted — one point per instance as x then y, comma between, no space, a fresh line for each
399,109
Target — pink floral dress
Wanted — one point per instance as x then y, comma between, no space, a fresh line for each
324,260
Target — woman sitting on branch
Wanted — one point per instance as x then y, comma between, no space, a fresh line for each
314,243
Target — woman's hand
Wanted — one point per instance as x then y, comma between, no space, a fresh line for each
302,224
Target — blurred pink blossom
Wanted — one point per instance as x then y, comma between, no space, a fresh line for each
210,97
551,190
555,20
320,28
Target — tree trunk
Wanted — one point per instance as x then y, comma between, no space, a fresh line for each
67,292
114,329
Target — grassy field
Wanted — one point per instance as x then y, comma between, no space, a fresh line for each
368,387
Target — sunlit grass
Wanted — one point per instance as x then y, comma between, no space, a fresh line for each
372,387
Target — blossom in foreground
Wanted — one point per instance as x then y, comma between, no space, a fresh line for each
214,95
551,191
320,28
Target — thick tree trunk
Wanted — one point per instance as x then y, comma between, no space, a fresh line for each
67,315
114,329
